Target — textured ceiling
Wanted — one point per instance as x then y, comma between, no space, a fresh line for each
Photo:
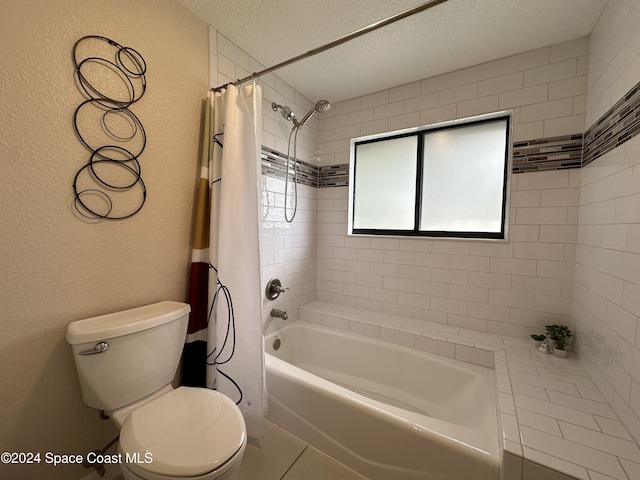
447,37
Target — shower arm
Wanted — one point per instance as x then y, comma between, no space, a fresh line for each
374,26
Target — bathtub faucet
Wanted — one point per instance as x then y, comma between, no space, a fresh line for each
279,313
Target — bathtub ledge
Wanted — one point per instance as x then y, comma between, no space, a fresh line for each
555,423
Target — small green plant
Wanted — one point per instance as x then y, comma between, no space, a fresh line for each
538,338
560,334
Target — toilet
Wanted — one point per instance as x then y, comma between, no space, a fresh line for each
126,362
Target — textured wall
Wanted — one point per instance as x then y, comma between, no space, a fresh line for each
55,267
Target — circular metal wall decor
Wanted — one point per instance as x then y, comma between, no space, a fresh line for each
112,77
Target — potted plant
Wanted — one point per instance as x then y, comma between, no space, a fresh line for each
560,334
537,340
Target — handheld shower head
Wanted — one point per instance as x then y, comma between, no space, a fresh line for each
322,106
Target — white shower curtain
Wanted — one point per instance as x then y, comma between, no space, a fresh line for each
226,255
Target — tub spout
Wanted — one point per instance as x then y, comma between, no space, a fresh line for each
279,313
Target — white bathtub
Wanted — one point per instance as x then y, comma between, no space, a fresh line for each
389,412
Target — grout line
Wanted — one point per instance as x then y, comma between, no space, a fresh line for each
294,462
552,469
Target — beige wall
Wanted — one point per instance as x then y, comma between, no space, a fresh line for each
55,267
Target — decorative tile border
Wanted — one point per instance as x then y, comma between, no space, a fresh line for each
554,153
619,124
334,175
274,164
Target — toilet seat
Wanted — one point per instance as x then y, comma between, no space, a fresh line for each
188,432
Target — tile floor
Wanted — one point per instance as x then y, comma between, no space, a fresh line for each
284,457
280,457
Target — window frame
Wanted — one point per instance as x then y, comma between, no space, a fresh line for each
419,132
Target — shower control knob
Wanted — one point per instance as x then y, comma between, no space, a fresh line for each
274,289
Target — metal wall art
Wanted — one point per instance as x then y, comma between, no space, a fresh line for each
112,78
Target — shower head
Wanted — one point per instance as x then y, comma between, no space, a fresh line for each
322,106
285,111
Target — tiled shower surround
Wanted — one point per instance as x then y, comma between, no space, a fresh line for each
504,288
619,124
536,155
573,254
510,288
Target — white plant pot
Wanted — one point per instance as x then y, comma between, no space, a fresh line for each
559,353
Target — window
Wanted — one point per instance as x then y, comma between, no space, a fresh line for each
444,180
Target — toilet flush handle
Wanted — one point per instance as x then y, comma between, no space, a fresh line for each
99,348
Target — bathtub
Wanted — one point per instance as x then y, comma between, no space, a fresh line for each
388,412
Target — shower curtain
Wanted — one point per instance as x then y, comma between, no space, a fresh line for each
224,346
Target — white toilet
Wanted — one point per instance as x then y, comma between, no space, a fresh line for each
126,362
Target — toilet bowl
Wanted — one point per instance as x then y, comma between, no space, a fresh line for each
125,363
185,433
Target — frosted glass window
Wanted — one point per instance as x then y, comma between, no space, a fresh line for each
444,180
463,178
385,184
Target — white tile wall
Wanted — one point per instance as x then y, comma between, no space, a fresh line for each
545,88
288,249
228,62
607,284
614,57
607,281
509,288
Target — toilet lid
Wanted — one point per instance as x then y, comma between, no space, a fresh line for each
187,432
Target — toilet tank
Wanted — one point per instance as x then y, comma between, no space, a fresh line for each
142,356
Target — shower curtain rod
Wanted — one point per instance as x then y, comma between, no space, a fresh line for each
374,26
